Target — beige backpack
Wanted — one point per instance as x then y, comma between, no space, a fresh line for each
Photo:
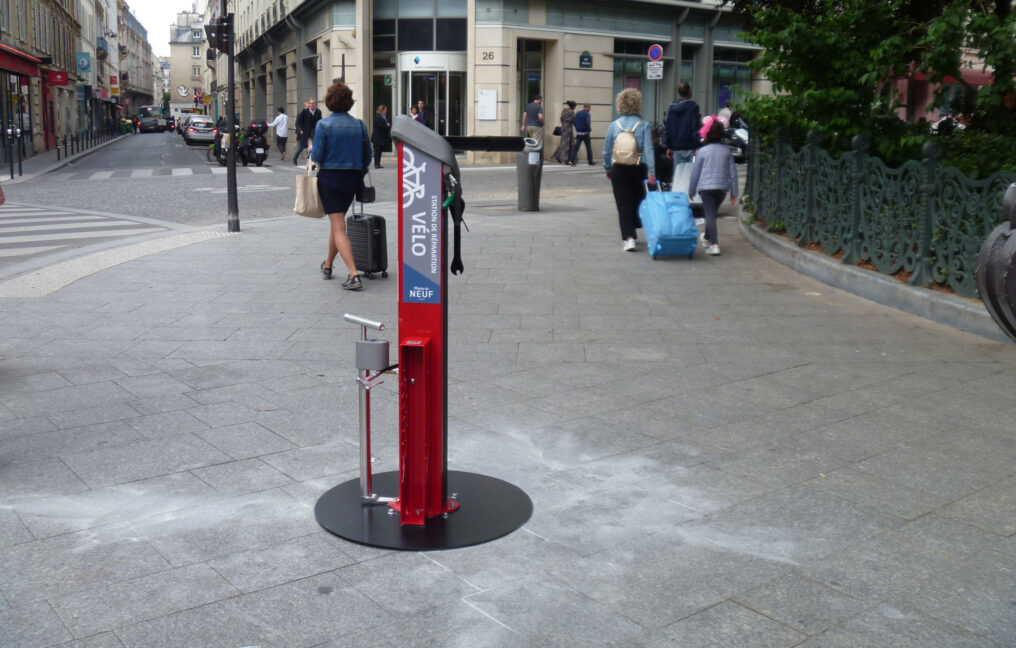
625,150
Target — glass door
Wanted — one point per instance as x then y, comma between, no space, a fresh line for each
383,83
424,86
456,103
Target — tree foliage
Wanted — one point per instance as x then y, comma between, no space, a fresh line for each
833,64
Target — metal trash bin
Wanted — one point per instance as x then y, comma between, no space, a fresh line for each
529,170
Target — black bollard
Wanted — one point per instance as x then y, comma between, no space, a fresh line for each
996,268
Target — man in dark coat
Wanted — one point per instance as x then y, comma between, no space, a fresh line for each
306,121
683,121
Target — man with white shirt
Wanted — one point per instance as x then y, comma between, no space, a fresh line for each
281,126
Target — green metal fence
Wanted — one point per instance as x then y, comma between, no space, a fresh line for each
924,218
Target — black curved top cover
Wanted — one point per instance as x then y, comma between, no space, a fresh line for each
414,133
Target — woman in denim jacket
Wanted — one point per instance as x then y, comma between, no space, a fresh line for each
342,152
626,180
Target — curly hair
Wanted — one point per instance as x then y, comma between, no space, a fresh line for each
339,97
629,102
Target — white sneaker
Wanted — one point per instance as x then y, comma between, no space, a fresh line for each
703,240
713,250
629,245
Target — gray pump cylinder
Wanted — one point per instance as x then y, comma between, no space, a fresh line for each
371,355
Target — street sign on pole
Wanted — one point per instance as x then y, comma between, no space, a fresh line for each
655,52
654,70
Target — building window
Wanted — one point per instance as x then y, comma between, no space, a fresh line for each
508,11
426,25
195,52
197,34
196,71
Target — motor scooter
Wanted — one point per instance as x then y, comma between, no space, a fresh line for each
254,147
224,140
735,137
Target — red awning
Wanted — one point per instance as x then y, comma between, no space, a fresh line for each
14,60
973,77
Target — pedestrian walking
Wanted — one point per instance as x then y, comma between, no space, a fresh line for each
382,135
532,120
682,124
306,122
281,126
563,154
582,131
712,176
628,159
341,149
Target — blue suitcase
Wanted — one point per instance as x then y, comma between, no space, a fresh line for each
668,224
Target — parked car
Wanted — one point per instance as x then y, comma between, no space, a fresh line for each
199,128
181,123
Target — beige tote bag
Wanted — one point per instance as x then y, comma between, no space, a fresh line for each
308,200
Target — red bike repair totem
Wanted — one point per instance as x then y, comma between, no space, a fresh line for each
423,516
423,338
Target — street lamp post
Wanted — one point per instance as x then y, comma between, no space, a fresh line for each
226,38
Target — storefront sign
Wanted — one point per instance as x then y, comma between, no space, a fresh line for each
585,60
16,61
56,78
84,60
113,81
388,80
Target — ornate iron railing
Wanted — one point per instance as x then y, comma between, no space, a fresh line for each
923,217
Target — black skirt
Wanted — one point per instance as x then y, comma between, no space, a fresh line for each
337,188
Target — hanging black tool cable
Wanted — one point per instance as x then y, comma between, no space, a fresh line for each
456,207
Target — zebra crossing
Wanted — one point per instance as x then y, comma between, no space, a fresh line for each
27,231
166,172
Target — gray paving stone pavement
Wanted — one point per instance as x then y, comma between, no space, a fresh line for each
720,452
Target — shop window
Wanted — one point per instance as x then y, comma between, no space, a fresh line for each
452,9
416,8
416,34
384,43
508,11
384,9
599,15
634,47
424,25
728,29
344,13
451,34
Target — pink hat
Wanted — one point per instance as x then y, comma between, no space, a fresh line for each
707,123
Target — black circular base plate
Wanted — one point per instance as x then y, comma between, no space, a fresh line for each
488,509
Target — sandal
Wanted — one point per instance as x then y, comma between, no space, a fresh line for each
327,272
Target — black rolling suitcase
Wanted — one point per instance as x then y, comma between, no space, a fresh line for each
369,238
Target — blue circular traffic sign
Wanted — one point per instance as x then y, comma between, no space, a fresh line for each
655,52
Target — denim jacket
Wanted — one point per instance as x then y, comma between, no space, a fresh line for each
643,136
341,142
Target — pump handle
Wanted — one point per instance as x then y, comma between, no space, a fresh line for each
363,321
